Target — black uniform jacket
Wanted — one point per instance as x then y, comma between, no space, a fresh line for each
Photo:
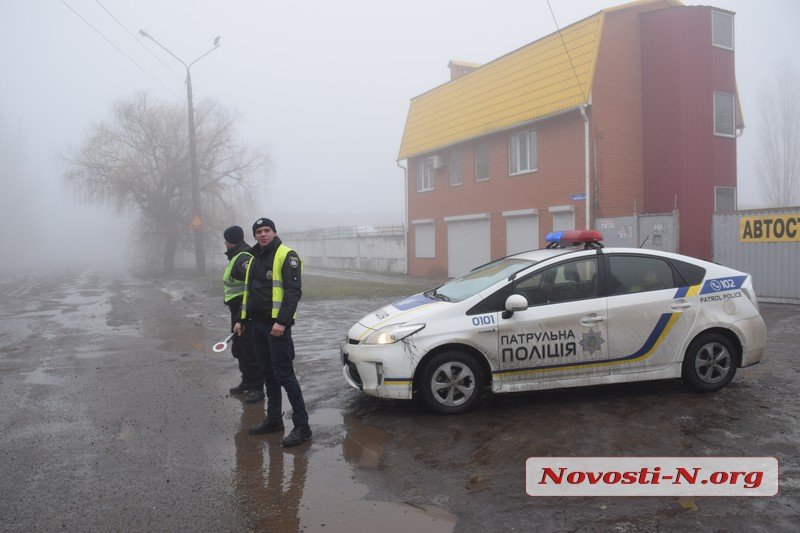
259,300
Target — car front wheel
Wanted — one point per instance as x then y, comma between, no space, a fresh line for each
450,383
710,363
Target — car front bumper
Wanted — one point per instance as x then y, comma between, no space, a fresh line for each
382,371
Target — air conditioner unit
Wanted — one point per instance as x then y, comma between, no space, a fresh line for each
434,162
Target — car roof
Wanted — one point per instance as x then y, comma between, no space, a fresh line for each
544,254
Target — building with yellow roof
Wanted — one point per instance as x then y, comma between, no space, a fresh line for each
632,109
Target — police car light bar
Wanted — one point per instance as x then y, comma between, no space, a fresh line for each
573,237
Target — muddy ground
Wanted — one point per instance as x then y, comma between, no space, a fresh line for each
116,416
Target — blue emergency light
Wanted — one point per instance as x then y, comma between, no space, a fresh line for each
574,237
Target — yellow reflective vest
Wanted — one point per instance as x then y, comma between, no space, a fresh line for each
233,287
277,282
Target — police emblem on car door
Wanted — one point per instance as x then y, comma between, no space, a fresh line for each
562,333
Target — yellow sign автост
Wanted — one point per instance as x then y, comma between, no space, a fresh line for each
770,228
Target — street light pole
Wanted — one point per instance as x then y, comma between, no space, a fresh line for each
199,250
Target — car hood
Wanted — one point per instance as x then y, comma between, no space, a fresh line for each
402,311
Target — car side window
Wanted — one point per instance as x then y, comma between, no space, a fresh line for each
573,280
631,274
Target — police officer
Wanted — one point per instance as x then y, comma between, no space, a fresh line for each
252,383
272,291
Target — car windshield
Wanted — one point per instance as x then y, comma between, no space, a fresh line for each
479,279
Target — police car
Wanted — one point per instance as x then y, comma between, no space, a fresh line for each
572,314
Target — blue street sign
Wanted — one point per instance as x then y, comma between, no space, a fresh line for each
579,196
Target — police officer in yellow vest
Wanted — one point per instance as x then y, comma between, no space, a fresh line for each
272,291
252,383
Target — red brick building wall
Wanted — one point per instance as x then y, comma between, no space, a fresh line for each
616,126
558,175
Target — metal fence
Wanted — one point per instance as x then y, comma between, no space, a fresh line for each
764,243
652,231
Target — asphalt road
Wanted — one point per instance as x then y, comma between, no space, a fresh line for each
116,416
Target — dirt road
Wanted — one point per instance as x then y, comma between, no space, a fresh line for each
116,416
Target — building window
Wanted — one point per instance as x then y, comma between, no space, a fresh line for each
455,168
724,123
722,30
424,176
522,152
482,161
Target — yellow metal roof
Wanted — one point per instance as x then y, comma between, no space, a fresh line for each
531,82
547,76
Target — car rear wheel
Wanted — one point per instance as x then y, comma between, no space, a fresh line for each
450,383
710,362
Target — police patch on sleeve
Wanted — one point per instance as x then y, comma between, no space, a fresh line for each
294,262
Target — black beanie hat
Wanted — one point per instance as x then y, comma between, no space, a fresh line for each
234,234
261,222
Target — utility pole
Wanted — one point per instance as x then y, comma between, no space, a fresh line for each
196,223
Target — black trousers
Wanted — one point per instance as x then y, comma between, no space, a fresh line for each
249,363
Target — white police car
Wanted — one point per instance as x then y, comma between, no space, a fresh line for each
560,317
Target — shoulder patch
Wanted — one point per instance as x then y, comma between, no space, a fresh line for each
294,262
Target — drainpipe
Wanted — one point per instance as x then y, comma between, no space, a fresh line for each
586,159
405,207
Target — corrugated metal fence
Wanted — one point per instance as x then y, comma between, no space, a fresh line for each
764,243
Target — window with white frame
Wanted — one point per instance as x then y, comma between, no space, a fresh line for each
424,176
522,152
724,120
482,161
455,167
722,30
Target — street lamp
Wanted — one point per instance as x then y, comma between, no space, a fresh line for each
197,226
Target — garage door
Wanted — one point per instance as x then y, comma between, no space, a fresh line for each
467,244
522,232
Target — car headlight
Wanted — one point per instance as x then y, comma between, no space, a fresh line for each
393,333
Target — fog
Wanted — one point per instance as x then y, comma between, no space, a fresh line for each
323,86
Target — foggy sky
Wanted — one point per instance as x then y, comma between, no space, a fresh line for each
324,86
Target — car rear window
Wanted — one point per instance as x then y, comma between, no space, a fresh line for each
637,273
691,274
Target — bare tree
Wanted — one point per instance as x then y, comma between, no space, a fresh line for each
138,162
778,162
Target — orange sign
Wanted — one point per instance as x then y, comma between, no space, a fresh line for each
196,224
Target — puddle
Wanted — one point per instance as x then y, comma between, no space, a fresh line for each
325,417
311,488
41,377
363,445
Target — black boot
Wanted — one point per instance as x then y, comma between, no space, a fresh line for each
267,426
299,435
254,396
241,388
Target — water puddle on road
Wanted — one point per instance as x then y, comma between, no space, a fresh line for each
363,445
311,487
41,377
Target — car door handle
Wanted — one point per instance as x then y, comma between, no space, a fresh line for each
680,305
590,320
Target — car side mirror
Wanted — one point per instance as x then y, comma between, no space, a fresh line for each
514,303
